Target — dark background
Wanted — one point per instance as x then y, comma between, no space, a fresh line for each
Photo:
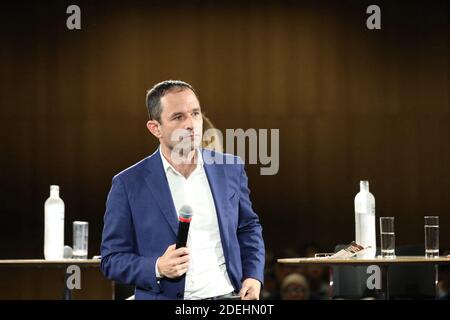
350,104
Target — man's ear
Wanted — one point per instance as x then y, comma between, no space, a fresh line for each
153,127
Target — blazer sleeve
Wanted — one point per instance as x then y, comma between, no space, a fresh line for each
249,234
120,261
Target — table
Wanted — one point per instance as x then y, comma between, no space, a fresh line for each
384,263
51,263
17,265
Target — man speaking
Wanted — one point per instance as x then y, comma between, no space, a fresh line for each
182,183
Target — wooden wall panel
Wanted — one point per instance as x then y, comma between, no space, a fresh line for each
350,104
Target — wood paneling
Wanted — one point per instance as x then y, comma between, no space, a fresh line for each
350,104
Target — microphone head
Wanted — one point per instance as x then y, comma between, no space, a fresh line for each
186,213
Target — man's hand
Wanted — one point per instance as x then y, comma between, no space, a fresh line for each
173,263
250,289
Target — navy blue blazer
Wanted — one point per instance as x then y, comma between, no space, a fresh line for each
141,222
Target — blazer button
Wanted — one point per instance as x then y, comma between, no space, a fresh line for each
179,295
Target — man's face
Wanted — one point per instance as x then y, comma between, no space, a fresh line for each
181,124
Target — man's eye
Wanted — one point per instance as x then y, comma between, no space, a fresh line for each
177,118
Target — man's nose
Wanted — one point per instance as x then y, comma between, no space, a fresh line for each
189,124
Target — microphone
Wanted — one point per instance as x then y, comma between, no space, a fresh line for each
184,218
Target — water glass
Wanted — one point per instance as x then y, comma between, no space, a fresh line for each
80,239
431,236
387,234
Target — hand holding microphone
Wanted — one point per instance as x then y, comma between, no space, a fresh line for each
175,261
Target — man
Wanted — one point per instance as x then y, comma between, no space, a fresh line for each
225,249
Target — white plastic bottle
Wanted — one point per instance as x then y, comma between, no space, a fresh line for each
54,226
365,232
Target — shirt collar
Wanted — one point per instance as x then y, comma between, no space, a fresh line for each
168,166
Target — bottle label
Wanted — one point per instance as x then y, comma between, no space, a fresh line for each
365,233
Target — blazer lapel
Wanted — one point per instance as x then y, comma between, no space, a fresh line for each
159,188
217,181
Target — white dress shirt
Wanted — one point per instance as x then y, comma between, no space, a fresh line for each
207,275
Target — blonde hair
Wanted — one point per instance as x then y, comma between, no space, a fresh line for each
215,141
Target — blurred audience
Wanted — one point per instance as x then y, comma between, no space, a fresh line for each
307,283
295,287
317,276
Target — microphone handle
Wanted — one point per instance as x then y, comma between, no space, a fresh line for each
183,230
